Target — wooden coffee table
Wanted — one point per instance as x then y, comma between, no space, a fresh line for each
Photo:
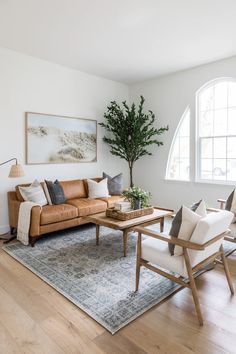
127,226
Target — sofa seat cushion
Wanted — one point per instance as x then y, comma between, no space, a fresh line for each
112,200
88,206
55,213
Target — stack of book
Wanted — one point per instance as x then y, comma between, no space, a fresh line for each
123,206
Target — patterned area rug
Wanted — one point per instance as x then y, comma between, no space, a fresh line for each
98,279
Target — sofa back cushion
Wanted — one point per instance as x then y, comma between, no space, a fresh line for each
74,189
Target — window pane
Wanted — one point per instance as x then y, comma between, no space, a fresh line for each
184,128
232,94
221,95
217,131
174,169
184,169
231,170
232,121
184,147
219,147
206,147
220,122
206,169
206,123
231,147
178,166
206,99
219,169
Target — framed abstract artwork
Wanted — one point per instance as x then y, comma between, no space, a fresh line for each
58,139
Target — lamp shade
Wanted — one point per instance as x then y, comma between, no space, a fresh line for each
16,171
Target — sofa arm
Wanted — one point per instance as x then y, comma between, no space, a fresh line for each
13,209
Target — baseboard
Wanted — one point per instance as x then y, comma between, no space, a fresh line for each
4,229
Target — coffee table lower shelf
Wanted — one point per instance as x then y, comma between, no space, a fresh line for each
127,226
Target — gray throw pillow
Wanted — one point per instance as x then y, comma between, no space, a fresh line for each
182,227
115,184
56,192
230,204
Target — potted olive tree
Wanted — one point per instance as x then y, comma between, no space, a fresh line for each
130,132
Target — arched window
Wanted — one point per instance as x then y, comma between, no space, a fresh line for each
178,166
216,131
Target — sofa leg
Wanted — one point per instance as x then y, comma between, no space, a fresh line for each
32,241
13,230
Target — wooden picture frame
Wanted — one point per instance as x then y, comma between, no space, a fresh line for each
55,139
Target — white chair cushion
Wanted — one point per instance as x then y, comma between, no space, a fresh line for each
232,228
207,228
157,252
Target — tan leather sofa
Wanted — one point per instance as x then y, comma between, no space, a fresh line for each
58,217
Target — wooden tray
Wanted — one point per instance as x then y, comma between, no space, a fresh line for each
116,214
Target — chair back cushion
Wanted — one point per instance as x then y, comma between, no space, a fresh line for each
207,228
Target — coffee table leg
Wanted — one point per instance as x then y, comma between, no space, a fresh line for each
125,241
97,234
162,225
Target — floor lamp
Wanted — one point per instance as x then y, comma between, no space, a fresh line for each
15,171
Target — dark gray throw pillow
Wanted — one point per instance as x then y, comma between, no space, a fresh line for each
195,205
229,201
175,227
115,184
56,192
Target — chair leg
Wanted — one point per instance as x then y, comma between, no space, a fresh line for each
138,261
193,287
226,269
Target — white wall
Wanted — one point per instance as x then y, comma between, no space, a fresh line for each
168,97
30,84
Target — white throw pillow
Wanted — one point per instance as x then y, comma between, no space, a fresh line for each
200,208
182,227
47,195
97,189
34,193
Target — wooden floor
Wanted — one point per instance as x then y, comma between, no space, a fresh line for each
34,318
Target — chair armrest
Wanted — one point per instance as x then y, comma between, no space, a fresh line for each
214,210
222,203
172,240
180,242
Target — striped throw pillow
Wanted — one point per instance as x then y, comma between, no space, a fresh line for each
34,193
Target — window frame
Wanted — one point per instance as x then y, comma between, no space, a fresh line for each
167,178
198,138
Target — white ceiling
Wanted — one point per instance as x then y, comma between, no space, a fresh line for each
123,40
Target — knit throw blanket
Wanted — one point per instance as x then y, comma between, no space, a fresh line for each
24,222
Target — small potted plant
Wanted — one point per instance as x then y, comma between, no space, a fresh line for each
138,197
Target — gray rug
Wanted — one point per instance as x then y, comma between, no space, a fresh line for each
98,279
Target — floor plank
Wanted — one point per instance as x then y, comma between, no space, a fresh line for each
35,318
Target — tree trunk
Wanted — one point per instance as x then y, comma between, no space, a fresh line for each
131,175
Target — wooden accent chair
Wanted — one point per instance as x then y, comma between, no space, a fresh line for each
231,236
203,248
